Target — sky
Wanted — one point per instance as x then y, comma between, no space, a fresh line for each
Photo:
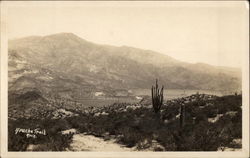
215,33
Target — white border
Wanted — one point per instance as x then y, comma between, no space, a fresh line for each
4,85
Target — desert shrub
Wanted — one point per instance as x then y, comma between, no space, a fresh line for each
201,137
210,112
17,142
237,125
170,112
144,144
138,127
205,138
52,141
130,137
228,103
191,110
148,126
232,129
166,138
200,117
78,122
199,102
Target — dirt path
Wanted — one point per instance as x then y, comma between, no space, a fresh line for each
82,142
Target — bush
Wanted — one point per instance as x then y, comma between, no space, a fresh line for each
130,137
52,141
139,127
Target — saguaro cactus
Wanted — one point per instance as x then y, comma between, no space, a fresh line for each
182,116
157,97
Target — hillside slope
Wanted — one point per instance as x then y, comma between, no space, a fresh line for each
64,64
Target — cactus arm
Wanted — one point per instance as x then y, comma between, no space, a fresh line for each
157,97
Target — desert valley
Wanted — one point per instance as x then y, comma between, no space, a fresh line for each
69,94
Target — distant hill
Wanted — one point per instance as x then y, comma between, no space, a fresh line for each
67,65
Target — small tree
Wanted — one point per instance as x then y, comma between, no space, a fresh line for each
157,97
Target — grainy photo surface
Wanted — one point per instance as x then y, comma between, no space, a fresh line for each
125,78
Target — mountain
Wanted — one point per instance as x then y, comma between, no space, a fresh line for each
66,65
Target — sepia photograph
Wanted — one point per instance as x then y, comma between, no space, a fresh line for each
125,77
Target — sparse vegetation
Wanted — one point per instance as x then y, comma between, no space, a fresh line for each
54,140
134,125
64,83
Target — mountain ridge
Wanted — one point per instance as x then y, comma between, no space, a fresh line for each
65,62
72,35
